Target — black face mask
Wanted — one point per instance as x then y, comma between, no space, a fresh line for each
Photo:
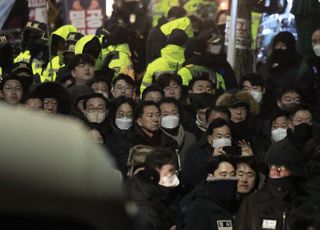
280,57
303,131
280,182
222,190
289,107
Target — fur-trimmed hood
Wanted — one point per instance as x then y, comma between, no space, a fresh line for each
228,99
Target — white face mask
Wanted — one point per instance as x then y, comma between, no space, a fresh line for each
123,123
257,95
170,122
169,181
316,50
96,117
278,134
221,142
214,49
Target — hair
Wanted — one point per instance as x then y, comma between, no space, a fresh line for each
214,162
200,78
217,123
176,12
139,109
253,163
285,90
254,79
160,157
220,109
300,107
116,103
80,59
164,80
99,79
124,77
170,100
94,95
152,88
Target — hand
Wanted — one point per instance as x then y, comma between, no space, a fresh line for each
246,149
218,152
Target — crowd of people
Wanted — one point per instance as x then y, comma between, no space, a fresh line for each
197,148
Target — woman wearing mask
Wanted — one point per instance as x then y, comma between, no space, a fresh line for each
120,120
155,190
213,200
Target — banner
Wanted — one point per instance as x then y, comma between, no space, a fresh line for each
86,15
243,33
5,9
37,10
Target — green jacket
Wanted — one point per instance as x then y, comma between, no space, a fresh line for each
171,60
160,8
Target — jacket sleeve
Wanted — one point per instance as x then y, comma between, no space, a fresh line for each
185,75
147,78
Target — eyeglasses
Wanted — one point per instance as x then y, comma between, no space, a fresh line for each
278,168
99,110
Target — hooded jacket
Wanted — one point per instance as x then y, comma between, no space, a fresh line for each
171,60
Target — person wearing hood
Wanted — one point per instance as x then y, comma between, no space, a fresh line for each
58,46
34,47
176,137
90,45
117,57
216,59
242,107
171,60
268,207
64,74
156,39
309,77
283,63
56,99
120,120
212,201
155,190
194,67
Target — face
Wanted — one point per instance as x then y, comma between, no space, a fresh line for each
83,73
202,86
95,136
154,96
50,105
238,114
101,87
214,115
150,120
247,87
280,122
34,103
173,90
12,92
302,116
167,170
125,110
225,170
280,45
169,109
96,105
122,88
221,132
201,113
247,177
316,38
276,171
288,98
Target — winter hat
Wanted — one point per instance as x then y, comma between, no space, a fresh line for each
195,47
177,37
283,153
238,99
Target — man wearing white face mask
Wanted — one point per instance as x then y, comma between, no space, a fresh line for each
197,157
175,137
95,106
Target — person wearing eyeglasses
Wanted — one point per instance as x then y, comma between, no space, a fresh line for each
95,106
268,207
